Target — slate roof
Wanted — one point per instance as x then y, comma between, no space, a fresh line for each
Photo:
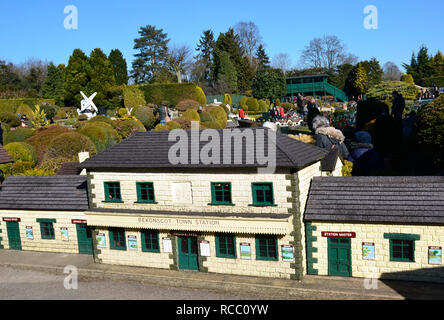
150,150
415,200
68,168
4,156
44,193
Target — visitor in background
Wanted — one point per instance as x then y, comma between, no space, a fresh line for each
241,113
201,109
282,112
300,103
398,107
359,147
313,112
329,137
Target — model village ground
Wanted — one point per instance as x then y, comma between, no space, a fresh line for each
163,190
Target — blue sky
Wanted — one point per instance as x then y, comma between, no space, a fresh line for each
30,28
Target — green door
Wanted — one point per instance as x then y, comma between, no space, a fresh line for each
188,253
15,243
84,239
339,260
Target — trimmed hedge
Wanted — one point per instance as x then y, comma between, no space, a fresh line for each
10,119
172,93
101,134
127,127
252,104
20,151
383,91
102,119
17,135
42,137
191,115
146,116
24,109
16,168
220,115
11,105
133,97
170,125
69,145
186,104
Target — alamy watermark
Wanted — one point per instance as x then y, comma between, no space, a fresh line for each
371,20
71,21
71,280
249,145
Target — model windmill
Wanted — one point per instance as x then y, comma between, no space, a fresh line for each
87,106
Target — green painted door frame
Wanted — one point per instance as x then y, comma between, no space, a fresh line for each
15,243
187,251
84,239
339,257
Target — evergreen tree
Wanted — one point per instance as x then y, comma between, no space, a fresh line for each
76,78
419,66
374,71
53,86
227,72
269,83
101,76
357,81
262,60
152,56
119,66
205,55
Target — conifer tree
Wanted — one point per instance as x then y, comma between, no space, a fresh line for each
76,78
53,86
119,66
101,76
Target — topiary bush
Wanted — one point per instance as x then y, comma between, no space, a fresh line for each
252,104
407,78
20,151
146,116
287,106
61,114
243,102
227,99
50,111
16,168
133,97
191,115
24,109
277,102
263,107
10,119
220,115
68,145
83,117
207,117
186,104
126,127
42,137
102,119
200,96
170,125
17,135
101,134
383,91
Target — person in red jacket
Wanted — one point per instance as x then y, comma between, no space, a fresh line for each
241,113
282,113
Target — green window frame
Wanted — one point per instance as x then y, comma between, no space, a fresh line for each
150,241
145,192
262,194
402,246
47,230
226,245
112,192
221,193
117,238
266,248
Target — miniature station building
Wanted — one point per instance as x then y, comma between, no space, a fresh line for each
376,227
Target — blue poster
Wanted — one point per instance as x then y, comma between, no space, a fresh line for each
368,251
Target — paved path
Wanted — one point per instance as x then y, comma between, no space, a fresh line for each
312,287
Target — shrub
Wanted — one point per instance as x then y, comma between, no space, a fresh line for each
102,119
68,145
383,91
16,168
191,115
200,96
10,119
287,106
83,117
146,116
133,97
49,110
52,165
127,127
184,123
227,99
123,113
263,107
243,102
170,125
17,135
347,168
101,134
70,111
277,102
252,104
61,114
186,104
42,137
20,151
36,172
11,105
39,118
24,109
407,78
221,117
206,116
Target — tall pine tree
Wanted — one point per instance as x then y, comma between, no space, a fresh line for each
76,78
262,60
119,66
101,77
205,55
152,56
53,86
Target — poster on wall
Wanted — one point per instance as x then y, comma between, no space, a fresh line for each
368,251
205,248
101,240
245,251
64,234
287,253
435,255
167,245
132,242
29,233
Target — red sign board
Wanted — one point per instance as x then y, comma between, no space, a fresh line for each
78,221
11,219
330,234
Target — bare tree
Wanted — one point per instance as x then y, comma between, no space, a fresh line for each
327,52
249,36
282,61
391,71
179,60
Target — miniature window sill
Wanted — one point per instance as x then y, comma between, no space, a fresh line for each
151,250
222,204
112,201
262,205
267,259
144,202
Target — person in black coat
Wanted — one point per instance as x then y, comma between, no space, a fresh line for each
329,137
398,107
313,112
